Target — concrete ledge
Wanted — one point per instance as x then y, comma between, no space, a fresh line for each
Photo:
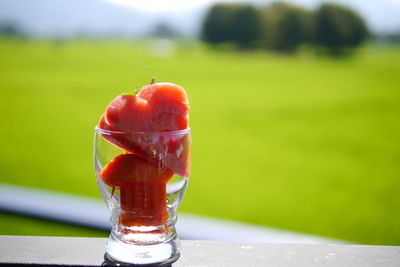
68,251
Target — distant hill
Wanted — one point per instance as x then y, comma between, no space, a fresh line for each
93,17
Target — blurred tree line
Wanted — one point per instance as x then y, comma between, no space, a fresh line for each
283,27
11,29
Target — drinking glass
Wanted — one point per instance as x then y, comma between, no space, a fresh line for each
142,178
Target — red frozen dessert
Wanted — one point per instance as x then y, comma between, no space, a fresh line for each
142,173
128,170
160,107
143,189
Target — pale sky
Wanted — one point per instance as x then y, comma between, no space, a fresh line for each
160,5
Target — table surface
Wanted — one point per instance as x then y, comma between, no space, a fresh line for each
71,251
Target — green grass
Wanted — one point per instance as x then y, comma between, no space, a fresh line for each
23,225
295,142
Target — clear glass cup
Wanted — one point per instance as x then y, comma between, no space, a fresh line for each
143,178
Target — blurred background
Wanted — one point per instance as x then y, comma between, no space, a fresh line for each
295,106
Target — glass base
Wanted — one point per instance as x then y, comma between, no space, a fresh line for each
161,254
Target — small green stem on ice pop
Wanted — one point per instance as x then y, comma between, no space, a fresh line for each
137,89
135,92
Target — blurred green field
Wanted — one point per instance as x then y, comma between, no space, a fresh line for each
294,142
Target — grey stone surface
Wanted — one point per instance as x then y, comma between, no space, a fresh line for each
90,252
52,250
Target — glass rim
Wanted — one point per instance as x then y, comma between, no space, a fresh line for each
110,132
